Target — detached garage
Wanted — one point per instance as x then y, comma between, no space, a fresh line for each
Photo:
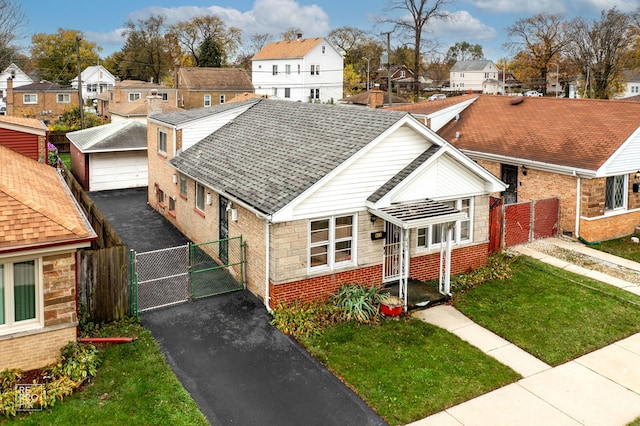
112,156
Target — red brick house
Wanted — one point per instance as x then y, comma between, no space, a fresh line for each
322,194
42,99
200,87
41,229
28,136
585,152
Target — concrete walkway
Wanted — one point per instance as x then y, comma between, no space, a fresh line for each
600,388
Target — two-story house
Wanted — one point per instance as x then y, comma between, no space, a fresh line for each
19,77
480,76
95,79
44,100
203,87
302,70
128,100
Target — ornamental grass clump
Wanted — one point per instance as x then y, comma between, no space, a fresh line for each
355,302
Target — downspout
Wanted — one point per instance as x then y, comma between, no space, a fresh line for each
267,297
405,267
578,189
447,267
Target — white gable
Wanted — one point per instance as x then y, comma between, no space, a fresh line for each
625,159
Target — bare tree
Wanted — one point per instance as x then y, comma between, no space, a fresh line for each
291,33
421,13
11,19
602,49
259,41
542,37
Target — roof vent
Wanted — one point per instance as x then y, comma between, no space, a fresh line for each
517,100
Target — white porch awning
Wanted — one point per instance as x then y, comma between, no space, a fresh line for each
418,214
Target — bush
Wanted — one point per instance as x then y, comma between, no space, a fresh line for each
302,320
354,302
78,362
498,268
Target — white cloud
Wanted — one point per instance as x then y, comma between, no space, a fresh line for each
463,27
527,7
624,6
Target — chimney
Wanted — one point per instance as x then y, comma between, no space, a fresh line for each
117,91
376,97
154,103
299,36
9,110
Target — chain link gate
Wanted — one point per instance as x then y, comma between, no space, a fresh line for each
175,275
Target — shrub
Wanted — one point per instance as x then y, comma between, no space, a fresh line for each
78,362
498,268
302,320
354,302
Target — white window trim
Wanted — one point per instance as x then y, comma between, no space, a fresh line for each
66,98
24,99
207,100
162,149
38,322
456,232
625,195
223,98
201,199
133,96
331,264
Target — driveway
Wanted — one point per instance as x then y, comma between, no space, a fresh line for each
238,368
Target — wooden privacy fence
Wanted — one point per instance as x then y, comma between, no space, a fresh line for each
520,223
103,270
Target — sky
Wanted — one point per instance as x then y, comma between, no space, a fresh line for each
474,21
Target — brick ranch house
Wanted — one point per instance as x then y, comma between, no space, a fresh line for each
41,229
320,193
585,152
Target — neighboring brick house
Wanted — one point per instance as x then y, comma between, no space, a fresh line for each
200,87
300,70
320,193
129,100
479,76
44,100
41,229
586,152
28,136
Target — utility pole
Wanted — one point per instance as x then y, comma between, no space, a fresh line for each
388,33
80,103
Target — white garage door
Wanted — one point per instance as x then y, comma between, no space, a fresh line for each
117,170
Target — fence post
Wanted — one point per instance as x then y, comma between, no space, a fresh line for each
243,248
133,285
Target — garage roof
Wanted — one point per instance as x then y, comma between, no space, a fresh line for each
122,136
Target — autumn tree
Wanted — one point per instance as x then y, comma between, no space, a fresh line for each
413,21
291,33
256,43
54,55
541,38
601,49
463,51
190,36
145,54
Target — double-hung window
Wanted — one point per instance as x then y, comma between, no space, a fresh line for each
134,97
162,142
315,69
274,70
207,100
199,197
287,69
331,242
615,193
30,98
20,295
183,186
314,94
433,236
63,98
223,98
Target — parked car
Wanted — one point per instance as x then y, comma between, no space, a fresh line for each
532,93
437,96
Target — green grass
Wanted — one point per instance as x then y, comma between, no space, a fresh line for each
622,247
134,386
636,422
551,313
406,370
66,159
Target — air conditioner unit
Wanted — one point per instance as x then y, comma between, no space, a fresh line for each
175,178
208,198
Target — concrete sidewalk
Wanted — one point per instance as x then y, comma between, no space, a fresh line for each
600,388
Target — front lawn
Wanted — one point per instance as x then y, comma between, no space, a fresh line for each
134,386
407,370
551,313
621,247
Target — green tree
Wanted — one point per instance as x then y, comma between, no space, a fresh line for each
413,21
145,54
210,53
55,55
463,51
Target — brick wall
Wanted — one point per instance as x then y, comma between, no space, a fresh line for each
59,287
34,350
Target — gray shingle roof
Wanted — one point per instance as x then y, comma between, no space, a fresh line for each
274,151
476,65
177,118
126,135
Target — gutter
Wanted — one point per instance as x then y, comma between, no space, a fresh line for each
48,245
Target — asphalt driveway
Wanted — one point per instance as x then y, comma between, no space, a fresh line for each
236,366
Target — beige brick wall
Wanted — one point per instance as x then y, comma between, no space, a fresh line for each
35,350
59,286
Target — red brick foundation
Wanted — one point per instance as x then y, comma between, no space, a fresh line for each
421,268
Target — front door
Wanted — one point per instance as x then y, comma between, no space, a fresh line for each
223,230
392,253
509,175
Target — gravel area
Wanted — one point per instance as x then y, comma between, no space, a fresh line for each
587,262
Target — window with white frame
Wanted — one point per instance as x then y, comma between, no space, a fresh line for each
164,96
615,193
314,94
207,100
274,70
331,242
20,295
199,197
315,69
160,195
172,204
287,92
287,69
63,98
222,99
162,142
134,97
299,69
183,186
30,98
324,49
434,235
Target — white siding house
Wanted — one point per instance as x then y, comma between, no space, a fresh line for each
477,76
19,77
96,79
302,70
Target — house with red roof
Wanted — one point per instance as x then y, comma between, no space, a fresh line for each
299,70
585,152
41,229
